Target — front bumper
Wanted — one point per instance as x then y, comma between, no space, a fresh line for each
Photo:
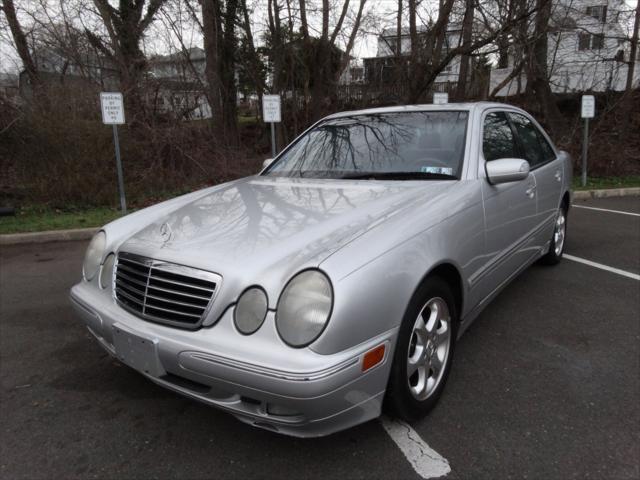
257,378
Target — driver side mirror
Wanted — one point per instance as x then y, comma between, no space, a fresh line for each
506,170
267,162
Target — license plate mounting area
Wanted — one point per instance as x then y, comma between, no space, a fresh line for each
137,351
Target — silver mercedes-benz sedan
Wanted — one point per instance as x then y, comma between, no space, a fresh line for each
338,279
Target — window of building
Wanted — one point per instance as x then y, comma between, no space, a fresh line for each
599,12
597,42
590,41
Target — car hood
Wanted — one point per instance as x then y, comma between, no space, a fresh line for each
262,227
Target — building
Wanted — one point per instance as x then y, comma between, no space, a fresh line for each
587,50
382,69
177,84
353,74
9,87
55,67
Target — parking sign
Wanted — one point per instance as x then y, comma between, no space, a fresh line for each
588,106
271,109
440,98
112,108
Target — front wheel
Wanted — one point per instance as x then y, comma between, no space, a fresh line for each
424,351
556,247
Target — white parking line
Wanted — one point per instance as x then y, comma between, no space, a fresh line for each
425,461
607,210
624,273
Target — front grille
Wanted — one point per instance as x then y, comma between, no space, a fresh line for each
164,292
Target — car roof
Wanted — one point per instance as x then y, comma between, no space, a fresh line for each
424,107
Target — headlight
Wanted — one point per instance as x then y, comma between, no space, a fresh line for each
250,310
106,273
304,308
93,257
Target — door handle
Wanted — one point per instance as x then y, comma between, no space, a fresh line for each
558,175
531,191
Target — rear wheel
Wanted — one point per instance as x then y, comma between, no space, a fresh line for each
556,247
424,351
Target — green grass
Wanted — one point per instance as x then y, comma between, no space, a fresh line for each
247,120
37,219
600,183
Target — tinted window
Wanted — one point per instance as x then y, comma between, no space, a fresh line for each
535,147
421,142
497,139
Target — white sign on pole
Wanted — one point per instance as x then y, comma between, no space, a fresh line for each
440,98
112,108
271,109
588,106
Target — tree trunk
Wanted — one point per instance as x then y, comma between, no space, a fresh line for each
465,59
426,61
211,34
538,75
414,64
398,66
254,61
352,38
21,42
228,73
126,26
304,26
633,54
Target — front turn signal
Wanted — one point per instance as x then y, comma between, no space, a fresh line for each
373,357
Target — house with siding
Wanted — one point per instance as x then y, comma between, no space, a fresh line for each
382,68
588,50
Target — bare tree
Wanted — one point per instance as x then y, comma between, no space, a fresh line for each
465,58
228,72
325,77
125,27
633,54
537,70
211,31
20,41
253,62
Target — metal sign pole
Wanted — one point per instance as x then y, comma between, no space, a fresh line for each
123,201
585,148
274,150
271,114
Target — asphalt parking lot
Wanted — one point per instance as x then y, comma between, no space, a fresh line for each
545,384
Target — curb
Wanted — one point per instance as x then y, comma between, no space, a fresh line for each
606,193
87,233
48,236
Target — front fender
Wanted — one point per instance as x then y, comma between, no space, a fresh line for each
375,276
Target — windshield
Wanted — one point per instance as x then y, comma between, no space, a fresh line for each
398,146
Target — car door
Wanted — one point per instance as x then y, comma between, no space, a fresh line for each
547,170
509,208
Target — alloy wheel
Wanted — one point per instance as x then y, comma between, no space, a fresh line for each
429,348
559,232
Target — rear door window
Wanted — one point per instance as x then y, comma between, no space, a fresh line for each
536,148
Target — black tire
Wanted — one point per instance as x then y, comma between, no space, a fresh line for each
552,257
399,399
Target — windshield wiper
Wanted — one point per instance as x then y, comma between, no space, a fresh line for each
399,176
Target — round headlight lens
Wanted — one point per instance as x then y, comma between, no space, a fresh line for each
93,257
304,308
106,273
250,310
